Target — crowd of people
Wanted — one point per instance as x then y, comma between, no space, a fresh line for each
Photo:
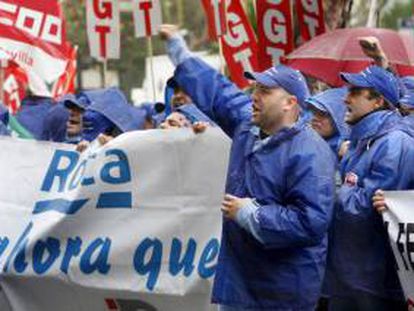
306,178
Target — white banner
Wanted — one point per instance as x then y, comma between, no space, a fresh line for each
103,28
147,17
133,225
399,219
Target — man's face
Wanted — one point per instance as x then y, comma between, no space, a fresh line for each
322,123
174,121
74,124
268,106
180,98
359,103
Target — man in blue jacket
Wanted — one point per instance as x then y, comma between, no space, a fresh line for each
361,274
280,189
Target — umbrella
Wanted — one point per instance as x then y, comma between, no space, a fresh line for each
325,56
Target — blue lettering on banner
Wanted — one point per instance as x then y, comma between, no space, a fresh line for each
153,266
206,265
59,205
4,242
186,263
66,174
93,257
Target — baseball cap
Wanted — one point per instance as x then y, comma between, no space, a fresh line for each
377,78
282,76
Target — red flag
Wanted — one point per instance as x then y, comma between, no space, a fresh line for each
275,31
239,44
216,13
32,34
66,83
14,86
311,20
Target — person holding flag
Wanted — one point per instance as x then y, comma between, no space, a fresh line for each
274,236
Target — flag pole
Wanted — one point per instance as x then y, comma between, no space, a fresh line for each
221,56
151,63
104,71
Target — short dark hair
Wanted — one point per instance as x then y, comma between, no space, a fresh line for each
372,94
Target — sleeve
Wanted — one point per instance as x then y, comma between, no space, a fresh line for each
355,201
247,219
177,50
304,216
215,95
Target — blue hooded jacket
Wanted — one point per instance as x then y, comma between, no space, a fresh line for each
332,102
360,257
109,109
291,177
54,124
33,113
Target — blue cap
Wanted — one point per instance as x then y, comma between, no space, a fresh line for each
289,79
381,80
80,101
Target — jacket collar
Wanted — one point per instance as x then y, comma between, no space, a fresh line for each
283,134
374,125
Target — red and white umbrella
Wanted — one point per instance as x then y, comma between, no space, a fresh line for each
325,56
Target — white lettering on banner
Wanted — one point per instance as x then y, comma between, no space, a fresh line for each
275,53
36,23
218,22
272,28
109,219
235,38
312,23
311,6
243,57
237,34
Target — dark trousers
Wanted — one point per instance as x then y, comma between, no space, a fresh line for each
365,302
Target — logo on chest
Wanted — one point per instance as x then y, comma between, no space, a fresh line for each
351,179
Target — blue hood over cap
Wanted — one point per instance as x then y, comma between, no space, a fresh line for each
112,104
54,125
332,102
109,109
32,113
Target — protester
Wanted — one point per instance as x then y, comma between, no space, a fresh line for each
76,105
361,274
328,119
274,233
